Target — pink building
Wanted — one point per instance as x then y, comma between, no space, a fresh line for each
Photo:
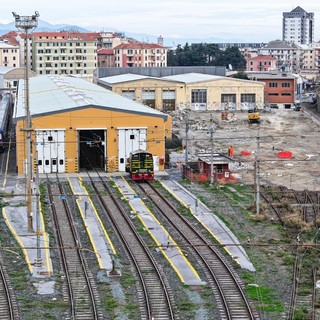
261,63
138,54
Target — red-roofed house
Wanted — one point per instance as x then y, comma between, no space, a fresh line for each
106,58
9,54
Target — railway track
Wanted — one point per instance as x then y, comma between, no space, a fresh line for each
307,202
8,306
309,207
80,292
225,284
304,270
154,293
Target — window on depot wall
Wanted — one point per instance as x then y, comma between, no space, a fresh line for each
149,97
130,94
168,100
199,96
248,97
225,98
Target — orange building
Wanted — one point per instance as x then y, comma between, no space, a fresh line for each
77,124
280,88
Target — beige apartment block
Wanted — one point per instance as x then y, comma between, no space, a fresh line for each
65,53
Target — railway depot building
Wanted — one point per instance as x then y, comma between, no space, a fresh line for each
77,125
188,91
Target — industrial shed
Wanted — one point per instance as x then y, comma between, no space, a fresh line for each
77,123
191,90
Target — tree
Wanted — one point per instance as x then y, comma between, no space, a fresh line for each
241,75
203,54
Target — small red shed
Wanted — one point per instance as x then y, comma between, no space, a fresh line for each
201,169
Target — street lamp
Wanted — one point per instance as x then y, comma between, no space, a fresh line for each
27,23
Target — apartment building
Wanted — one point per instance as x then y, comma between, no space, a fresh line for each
106,58
308,62
298,26
261,63
289,55
9,54
138,54
317,56
109,40
64,53
17,39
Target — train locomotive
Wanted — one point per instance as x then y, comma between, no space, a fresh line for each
140,165
6,108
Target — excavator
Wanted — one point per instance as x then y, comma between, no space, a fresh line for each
253,115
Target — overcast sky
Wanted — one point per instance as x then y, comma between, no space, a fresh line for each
247,21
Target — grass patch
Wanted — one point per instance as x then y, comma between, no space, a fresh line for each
111,303
265,297
187,306
131,309
127,280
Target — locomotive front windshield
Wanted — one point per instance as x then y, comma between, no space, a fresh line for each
143,162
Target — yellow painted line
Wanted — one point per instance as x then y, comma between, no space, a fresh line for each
156,241
175,196
98,217
18,240
45,241
86,226
184,204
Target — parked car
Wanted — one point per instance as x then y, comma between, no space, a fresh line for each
297,107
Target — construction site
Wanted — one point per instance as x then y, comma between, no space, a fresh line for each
282,148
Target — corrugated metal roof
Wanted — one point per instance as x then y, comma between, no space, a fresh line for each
123,78
55,94
269,75
192,77
216,158
186,78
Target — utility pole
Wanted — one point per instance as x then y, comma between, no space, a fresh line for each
211,160
27,23
257,171
187,129
38,260
186,149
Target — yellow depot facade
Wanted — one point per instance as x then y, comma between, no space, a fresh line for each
192,90
77,125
